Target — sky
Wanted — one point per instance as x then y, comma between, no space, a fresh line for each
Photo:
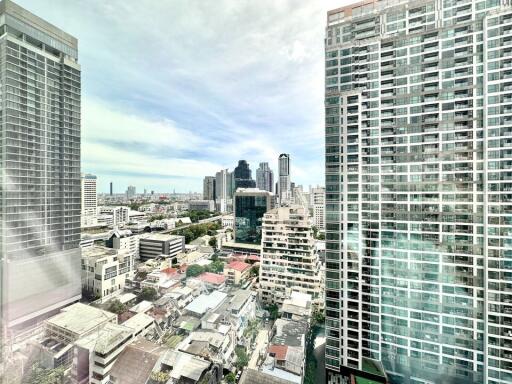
174,90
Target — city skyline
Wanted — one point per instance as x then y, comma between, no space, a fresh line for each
206,112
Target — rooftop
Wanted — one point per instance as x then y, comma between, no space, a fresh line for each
239,266
252,376
80,318
212,278
205,302
160,237
185,365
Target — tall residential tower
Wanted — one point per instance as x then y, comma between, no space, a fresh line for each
265,178
284,184
39,168
418,105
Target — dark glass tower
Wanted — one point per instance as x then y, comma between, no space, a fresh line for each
243,176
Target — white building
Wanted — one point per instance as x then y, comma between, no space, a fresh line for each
105,270
228,221
124,241
119,215
201,205
160,245
284,184
288,258
317,196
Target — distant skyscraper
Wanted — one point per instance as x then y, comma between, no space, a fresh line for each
243,175
89,195
131,191
111,188
224,186
285,187
264,178
317,202
209,188
250,204
40,168
419,190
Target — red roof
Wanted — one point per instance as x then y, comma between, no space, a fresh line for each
212,278
169,271
279,351
238,266
253,257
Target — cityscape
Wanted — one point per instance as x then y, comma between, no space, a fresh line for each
235,243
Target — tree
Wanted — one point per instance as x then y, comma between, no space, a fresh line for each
148,294
216,266
213,242
255,270
194,270
115,306
230,378
40,375
241,358
274,311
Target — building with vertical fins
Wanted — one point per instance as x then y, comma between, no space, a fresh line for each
284,183
40,199
209,188
265,178
418,109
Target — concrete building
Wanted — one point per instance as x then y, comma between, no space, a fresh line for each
115,216
284,182
131,192
89,195
317,196
418,190
201,205
224,188
105,270
125,241
40,162
288,258
228,221
237,272
249,207
111,189
209,188
265,178
160,245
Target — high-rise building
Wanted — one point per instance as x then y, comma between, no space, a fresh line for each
285,187
111,188
89,195
317,203
243,176
209,188
289,261
40,199
250,204
131,191
419,191
224,186
265,178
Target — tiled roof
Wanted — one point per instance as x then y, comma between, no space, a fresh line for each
212,278
238,266
279,351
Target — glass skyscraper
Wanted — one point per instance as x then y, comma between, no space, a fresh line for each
250,204
418,113
39,168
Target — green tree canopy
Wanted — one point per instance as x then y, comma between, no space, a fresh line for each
194,270
148,293
242,359
115,306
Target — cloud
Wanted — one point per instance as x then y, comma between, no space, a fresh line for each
179,88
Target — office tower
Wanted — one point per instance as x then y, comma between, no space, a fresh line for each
224,185
285,187
264,178
317,202
209,188
418,190
89,195
111,188
243,176
288,258
131,191
250,204
40,169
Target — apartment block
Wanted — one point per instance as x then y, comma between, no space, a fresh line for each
418,102
288,258
156,245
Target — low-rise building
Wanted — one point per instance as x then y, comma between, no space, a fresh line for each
237,272
155,245
124,240
228,221
105,270
120,215
201,205
212,281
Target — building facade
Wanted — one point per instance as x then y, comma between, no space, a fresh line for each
40,168
131,192
224,187
157,245
209,188
284,184
265,178
288,258
317,204
418,190
243,176
250,204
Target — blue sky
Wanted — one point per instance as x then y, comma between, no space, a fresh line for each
175,90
